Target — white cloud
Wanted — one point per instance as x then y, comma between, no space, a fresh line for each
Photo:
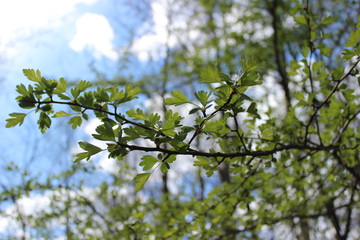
19,16
91,125
152,45
94,31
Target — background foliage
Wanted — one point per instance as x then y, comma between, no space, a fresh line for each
250,131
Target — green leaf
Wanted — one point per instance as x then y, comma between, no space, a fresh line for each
105,132
131,92
348,54
178,99
83,85
194,110
317,65
101,95
80,156
305,51
210,75
92,149
170,159
250,79
46,108
172,121
17,119
32,75
47,85
141,179
136,114
85,116
201,161
116,151
44,122
215,126
61,86
325,50
164,167
218,127
75,122
75,92
328,20
63,97
61,114
27,102
169,127
300,19
353,39
203,97
253,110
153,119
148,162
338,72
76,108
22,89
87,99
249,63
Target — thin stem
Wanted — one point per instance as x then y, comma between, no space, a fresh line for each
317,108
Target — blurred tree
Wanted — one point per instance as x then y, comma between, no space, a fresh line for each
268,111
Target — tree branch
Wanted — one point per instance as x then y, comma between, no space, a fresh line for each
259,153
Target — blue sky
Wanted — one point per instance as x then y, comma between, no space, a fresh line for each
60,38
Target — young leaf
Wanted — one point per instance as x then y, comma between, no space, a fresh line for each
136,114
17,119
32,75
194,110
300,19
61,114
169,127
131,92
101,95
201,161
92,149
80,156
27,101
203,97
164,167
141,179
210,75
250,79
44,122
75,92
253,110
105,132
178,99
75,122
64,97
22,89
353,39
61,86
87,99
83,85
148,162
